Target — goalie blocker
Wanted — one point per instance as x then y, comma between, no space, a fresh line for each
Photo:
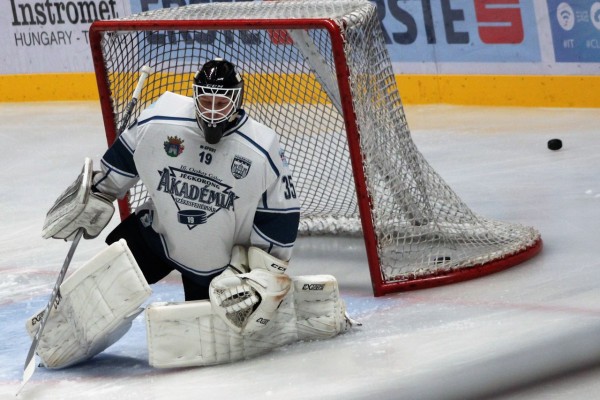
79,207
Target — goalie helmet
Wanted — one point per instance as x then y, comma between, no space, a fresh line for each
218,93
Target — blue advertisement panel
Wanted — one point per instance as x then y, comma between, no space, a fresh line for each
442,30
575,26
460,30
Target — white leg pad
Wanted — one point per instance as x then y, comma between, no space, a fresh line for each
190,334
98,303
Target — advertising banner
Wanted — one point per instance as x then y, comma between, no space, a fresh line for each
42,36
493,43
423,36
460,31
575,29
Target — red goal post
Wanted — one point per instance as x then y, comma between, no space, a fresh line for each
318,72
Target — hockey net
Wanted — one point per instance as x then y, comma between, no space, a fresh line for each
318,73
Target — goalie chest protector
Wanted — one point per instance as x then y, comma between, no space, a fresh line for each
206,194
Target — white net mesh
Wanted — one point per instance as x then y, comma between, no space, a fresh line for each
422,229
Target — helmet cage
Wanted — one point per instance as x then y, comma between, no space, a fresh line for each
216,105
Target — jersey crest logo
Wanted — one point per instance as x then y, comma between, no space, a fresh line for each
174,146
197,196
240,167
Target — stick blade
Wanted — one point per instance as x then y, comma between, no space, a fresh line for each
27,374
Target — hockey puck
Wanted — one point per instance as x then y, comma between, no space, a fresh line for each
554,144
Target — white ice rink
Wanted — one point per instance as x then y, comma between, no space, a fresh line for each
529,332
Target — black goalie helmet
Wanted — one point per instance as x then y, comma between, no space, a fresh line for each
218,93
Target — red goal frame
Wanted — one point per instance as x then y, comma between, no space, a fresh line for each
380,287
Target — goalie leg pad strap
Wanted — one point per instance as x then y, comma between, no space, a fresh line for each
191,334
97,304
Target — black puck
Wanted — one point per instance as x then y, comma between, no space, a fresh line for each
554,144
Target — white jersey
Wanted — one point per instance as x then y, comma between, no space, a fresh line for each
205,198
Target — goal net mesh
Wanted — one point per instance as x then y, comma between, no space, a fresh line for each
421,228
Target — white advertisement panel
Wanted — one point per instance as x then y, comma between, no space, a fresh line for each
49,36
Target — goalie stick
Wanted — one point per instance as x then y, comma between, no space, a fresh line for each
29,368
30,360
145,71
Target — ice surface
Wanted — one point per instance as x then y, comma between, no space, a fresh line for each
530,332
